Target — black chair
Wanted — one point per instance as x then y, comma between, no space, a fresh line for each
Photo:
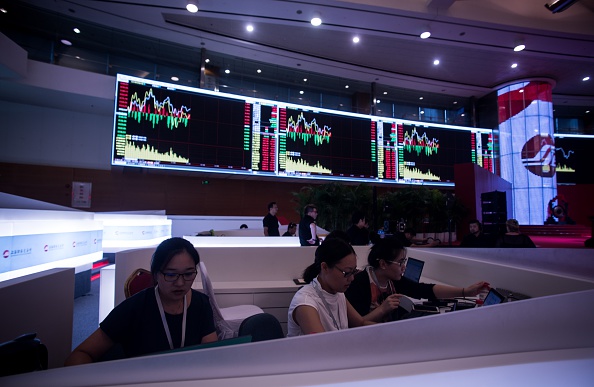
23,354
262,327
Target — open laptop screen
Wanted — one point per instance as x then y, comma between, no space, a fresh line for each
414,268
493,298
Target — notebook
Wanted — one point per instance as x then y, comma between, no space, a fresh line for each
414,268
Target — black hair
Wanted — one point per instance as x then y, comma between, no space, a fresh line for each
243,226
167,250
330,251
338,234
410,230
291,225
476,221
309,208
357,215
387,249
270,205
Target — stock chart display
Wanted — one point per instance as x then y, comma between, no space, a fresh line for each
574,162
313,142
162,125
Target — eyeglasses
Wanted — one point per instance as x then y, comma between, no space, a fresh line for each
172,277
402,262
347,274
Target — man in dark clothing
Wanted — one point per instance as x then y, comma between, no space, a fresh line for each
270,221
358,232
307,227
476,238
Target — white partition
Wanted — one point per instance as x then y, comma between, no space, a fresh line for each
43,303
540,341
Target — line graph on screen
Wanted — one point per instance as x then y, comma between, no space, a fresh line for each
155,111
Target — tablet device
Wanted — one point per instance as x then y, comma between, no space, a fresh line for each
493,298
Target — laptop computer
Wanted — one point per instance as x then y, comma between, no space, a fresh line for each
414,268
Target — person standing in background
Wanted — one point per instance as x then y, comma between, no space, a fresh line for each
307,227
513,237
358,232
270,221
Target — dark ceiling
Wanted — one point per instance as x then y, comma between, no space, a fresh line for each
473,40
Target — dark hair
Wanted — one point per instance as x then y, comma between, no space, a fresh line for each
331,252
309,208
357,215
167,250
410,230
291,225
386,249
243,226
476,221
270,205
338,234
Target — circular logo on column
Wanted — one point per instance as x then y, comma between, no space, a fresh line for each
6,254
538,155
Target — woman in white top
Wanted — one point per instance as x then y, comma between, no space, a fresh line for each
321,306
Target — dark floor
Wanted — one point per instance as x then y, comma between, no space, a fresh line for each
86,314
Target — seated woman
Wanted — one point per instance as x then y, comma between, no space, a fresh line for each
375,292
320,306
170,315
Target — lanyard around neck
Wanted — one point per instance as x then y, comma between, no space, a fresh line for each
164,320
315,284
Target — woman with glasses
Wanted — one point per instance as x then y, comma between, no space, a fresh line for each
170,315
321,306
375,292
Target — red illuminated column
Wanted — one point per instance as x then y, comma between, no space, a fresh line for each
527,148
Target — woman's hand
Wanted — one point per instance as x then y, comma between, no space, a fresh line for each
390,303
475,289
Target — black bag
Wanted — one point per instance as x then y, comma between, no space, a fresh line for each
23,354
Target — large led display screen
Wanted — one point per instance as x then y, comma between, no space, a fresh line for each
162,125
574,160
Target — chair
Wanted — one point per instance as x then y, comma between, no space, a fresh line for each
139,280
262,327
23,354
227,320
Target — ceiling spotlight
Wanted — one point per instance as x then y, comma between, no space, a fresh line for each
585,79
316,20
377,101
206,60
519,47
174,79
514,65
436,62
346,86
249,28
304,79
300,91
356,39
66,42
385,92
3,10
420,97
76,30
227,71
192,6
425,35
258,71
559,5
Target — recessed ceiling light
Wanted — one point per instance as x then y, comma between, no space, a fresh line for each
422,112
586,79
3,10
425,35
304,79
174,79
514,65
227,71
76,30
521,90
258,71
249,28
300,91
206,60
587,111
420,97
356,39
455,102
192,6
519,47
462,115
436,62
316,20
346,86
66,42
385,92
